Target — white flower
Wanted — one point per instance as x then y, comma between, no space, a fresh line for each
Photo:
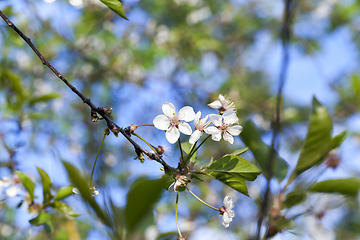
200,125
94,191
222,104
174,123
13,186
226,124
226,211
181,180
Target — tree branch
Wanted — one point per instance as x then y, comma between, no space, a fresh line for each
110,123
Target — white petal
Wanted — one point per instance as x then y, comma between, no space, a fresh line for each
171,187
177,185
222,100
11,191
172,135
231,213
227,201
230,117
187,114
6,181
161,122
185,128
197,119
226,220
216,104
216,137
216,119
195,136
76,191
169,109
212,130
228,138
234,130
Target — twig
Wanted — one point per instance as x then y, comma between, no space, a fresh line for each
287,18
111,124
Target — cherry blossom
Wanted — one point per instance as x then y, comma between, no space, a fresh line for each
226,211
200,125
181,180
174,123
226,124
12,185
222,104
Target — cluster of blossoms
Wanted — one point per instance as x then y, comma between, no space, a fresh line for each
12,186
225,123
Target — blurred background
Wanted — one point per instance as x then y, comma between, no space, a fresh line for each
186,52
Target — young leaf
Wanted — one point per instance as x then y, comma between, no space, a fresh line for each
336,141
236,166
343,186
115,6
43,98
317,142
46,182
251,137
233,181
62,207
43,219
143,194
294,198
28,184
82,185
64,192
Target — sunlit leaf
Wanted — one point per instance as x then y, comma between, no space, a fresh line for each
28,184
62,207
317,142
64,192
143,194
251,137
115,6
46,182
336,141
43,219
230,180
43,98
342,186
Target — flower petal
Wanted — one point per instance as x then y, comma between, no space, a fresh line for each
216,104
227,201
187,114
195,136
169,109
185,128
228,138
226,220
161,122
234,130
216,119
11,191
230,117
172,135
197,119
6,181
222,100
171,187
212,130
216,137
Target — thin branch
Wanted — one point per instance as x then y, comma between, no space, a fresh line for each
285,37
111,124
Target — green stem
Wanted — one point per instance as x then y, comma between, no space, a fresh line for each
151,146
181,151
194,151
176,215
217,209
97,155
145,125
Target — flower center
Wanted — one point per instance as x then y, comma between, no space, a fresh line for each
175,121
223,127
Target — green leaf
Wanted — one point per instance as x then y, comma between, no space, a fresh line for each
28,184
62,207
294,198
336,141
115,6
143,194
43,219
43,98
64,192
46,182
251,137
317,142
232,181
238,152
343,186
168,236
82,185
236,166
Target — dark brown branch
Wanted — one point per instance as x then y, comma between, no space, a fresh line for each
110,123
285,37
